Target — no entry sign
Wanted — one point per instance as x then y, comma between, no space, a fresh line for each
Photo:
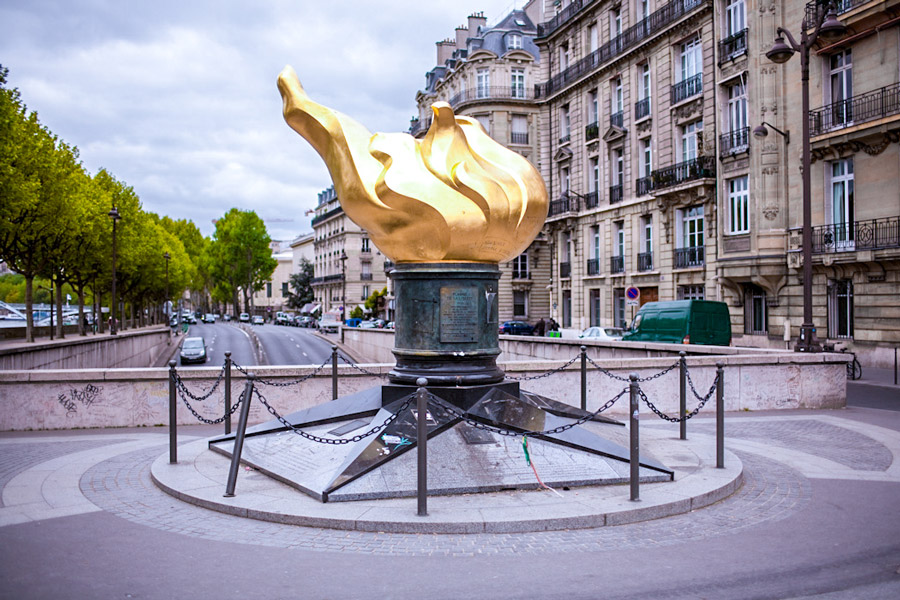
632,295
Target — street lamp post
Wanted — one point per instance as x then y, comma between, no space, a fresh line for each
114,215
826,25
52,307
168,316
343,285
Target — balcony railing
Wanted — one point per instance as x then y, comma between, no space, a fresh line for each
643,185
615,194
813,9
629,38
689,170
691,256
520,274
565,270
564,139
518,138
548,27
853,111
645,261
593,266
509,92
591,200
733,46
419,126
686,88
365,277
327,215
562,205
641,108
327,279
616,264
617,119
873,234
591,131
734,142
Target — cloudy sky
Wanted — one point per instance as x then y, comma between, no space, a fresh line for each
178,98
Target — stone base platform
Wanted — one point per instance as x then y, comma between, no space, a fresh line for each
200,476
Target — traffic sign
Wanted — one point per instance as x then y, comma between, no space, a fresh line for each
632,296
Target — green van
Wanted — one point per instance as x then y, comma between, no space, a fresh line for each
682,322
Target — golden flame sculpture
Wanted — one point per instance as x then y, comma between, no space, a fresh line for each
454,196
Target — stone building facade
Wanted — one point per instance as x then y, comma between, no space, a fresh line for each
347,265
489,73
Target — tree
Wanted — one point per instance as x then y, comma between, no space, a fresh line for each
301,285
375,301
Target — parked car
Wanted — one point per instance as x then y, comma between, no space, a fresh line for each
227,317
304,321
244,318
368,325
257,320
193,350
208,318
331,321
603,333
516,328
389,325
682,321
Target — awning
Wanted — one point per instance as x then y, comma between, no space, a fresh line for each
309,308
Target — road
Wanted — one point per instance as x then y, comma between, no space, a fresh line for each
281,345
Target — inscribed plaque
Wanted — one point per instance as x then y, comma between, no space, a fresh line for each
459,314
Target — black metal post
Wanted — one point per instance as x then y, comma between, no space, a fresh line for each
635,455
113,328
682,389
584,378
173,421
239,437
334,357
228,392
422,447
720,415
895,366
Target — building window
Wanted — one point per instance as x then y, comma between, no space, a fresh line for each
564,124
615,23
617,261
366,247
594,174
520,303
593,106
593,38
691,292
567,308
840,210
594,307
519,134
563,57
755,314
520,266
564,179
691,140
484,121
595,242
738,205
284,289
518,83
514,42
268,289
365,292
841,82
365,271
619,308
643,9
735,17
646,157
691,59
645,255
737,115
690,251
840,308
483,81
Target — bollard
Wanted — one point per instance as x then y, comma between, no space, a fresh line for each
334,357
173,423
635,455
895,366
227,393
422,446
239,437
584,378
720,415
682,387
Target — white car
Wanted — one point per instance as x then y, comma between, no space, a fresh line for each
603,333
258,320
244,318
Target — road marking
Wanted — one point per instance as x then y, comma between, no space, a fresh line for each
304,354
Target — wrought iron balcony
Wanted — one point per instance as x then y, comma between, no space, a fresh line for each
520,274
563,204
593,266
327,279
327,215
819,7
689,170
548,27
734,142
692,256
565,270
617,119
629,38
365,277
872,234
645,261
616,264
518,138
564,139
509,92
591,200
642,108
591,131
853,111
418,126
615,194
643,185
733,46
686,88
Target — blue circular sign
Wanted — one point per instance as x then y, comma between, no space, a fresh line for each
633,293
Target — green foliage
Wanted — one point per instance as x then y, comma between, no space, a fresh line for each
301,285
375,301
356,313
240,259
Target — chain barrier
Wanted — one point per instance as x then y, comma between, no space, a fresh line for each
284,383
360,369
180,384
703,400
694,390
197,415
462,415
626,379
332,441
547,374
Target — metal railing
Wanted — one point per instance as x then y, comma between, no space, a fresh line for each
365,277
326,279
820,7
327,215
476,94
615,194
519,274
642,108
593,266
419,126
562,205
733,46
690,170
871,234
591,131
692,256
686,88
548,27
855,110
518,138
645,261
643,185
591,200
565,270
617,119
564,139
734,142
616,264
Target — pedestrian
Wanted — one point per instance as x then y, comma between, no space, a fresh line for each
539,327
554,326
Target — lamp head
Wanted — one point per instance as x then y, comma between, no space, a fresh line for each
832,28
780,52
760,131
114,214
167,256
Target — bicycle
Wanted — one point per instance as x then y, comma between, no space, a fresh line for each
854,369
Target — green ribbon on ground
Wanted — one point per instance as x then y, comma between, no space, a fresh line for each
525,448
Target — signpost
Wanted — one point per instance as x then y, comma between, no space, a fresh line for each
632,299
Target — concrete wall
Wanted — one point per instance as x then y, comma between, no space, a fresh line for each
128,349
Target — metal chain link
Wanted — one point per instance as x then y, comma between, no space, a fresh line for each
203,419
542,375
332,441
462,415
360,369
180,383
693,413
626,379
693,389
284,383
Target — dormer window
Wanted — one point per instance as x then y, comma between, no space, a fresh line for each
514,41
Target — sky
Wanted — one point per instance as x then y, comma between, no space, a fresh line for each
178,99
